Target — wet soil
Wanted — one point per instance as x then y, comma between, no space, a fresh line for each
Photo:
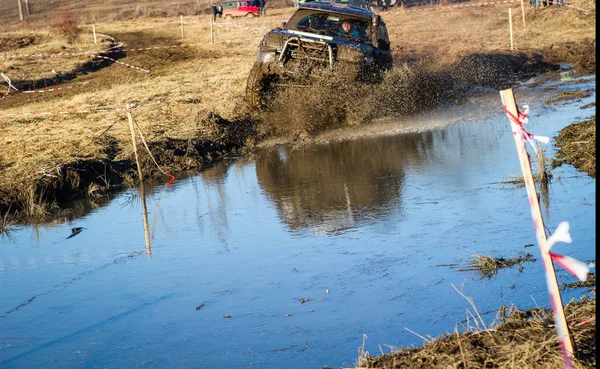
9,43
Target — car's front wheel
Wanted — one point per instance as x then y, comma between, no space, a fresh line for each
250,15
256,86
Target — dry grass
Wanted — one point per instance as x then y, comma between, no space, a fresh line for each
524,339
589,283
488,266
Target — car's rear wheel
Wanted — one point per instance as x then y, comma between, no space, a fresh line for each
228,17
250,15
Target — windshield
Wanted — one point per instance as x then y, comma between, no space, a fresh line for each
330,25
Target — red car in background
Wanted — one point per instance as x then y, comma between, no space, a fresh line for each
238,9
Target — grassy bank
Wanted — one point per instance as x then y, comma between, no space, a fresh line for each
190,105
521,339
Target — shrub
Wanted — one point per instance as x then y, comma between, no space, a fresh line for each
68,27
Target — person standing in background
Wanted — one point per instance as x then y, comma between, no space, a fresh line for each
215,11
261,7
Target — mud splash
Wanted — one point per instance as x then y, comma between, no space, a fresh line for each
299,112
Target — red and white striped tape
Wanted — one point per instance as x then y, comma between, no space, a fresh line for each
41,55
107,36
576,8
159,47
54,88
10,85
67,112
120,62
433,8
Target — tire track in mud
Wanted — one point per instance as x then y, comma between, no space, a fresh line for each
80,276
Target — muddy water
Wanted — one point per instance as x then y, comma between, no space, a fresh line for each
295,257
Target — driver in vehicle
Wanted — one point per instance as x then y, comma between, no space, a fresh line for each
349,28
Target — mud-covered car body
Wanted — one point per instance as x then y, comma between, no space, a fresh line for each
314,43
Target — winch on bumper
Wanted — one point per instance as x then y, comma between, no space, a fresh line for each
314,56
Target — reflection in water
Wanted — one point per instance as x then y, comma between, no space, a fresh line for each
332,187
145,218
217,207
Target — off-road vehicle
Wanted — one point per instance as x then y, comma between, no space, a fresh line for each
320,40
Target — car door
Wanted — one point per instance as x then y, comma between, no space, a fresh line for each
383,53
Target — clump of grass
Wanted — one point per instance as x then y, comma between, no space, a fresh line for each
590,283
590,105
543,174
6,225
523,339
570,95
488,266
577,146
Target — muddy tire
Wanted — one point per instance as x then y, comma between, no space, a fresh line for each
256,87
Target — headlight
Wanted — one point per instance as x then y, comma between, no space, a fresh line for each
267,57
350,54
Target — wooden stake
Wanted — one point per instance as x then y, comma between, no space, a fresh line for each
508,99
181,22
94,31
27,7
212,35
20,10
523,12
133,142
510,28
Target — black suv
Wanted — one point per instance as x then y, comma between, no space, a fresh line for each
319,39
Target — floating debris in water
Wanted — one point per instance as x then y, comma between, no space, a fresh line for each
488,266
75,231
200,306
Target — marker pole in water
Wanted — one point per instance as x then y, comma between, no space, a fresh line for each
566,346
141,178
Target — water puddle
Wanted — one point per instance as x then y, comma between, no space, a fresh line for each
288,259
